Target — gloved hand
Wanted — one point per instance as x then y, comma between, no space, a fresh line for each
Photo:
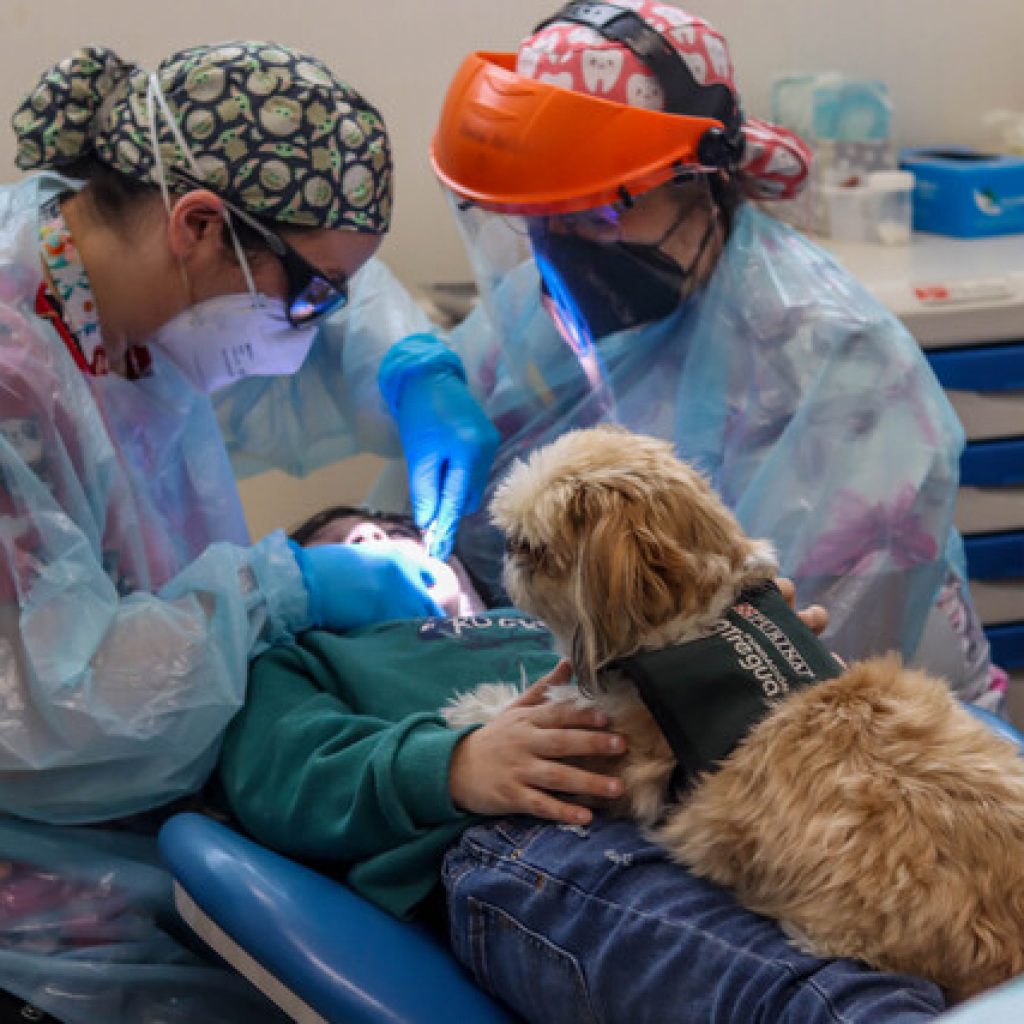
355,584
448,440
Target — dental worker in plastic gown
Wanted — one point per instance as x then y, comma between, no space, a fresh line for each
604,180
209,217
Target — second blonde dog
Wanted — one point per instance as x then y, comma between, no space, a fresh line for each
869,813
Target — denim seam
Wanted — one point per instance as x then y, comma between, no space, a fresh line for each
519,871
551,950
522,841
455,876
826,1001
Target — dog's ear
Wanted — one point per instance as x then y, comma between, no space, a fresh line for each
625,583
598,595
647,557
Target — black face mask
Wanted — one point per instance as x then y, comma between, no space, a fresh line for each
598,289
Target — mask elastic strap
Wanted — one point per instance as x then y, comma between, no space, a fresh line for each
154,96
713,216
713,219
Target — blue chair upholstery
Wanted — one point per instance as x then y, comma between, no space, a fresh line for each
1001,728
313,946
1003,1005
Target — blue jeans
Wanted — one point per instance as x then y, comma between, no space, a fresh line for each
569,924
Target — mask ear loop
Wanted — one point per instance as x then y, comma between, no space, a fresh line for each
155,95
714,219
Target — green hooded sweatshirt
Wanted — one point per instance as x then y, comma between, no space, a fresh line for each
340,757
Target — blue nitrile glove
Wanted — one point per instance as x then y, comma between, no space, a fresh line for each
355,584
448,440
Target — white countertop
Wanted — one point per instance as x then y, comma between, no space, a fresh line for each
948,291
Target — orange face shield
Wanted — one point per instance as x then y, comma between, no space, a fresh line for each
516,145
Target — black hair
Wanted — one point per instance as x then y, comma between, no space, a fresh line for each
116,196
306,530
726,192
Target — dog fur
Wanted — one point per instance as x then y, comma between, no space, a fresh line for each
871,815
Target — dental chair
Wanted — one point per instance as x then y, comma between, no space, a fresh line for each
1003,1005
315,948
324,954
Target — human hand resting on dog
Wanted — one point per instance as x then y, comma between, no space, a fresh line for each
514,763
814,616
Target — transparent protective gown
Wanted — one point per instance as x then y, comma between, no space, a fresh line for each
89,934
130,605
332,407
130,601
809,407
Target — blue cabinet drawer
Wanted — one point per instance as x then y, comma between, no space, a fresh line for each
993,463
1007,645
995,556
980,368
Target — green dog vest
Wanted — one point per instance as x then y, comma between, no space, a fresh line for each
707,694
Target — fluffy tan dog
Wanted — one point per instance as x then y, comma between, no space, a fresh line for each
869,813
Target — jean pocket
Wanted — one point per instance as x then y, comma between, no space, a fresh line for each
540,981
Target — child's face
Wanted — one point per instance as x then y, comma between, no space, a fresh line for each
451,590
360,530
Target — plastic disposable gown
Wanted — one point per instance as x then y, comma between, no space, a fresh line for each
87,934
130,599
130,605
808,405
332,407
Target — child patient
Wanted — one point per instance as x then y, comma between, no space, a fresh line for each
347,524
342,759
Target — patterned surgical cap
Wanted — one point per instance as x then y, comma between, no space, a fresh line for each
269,126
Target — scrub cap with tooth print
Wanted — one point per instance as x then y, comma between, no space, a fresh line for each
774,162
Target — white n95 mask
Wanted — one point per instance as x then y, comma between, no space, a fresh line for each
223,339
228,337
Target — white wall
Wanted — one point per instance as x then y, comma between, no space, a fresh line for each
946,62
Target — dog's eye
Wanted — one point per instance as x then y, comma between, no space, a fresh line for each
516,546
522,548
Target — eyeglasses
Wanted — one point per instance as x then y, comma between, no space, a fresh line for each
311,294
605,224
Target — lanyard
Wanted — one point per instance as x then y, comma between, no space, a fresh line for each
70,304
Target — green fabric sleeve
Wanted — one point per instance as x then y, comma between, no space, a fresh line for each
309,777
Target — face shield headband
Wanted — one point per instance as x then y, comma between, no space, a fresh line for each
683,94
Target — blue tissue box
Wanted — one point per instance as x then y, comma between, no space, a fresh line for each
962,192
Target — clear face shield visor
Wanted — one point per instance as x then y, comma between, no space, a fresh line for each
601,271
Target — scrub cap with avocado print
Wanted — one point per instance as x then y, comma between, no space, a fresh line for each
269,127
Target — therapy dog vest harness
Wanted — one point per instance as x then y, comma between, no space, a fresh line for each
707,694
